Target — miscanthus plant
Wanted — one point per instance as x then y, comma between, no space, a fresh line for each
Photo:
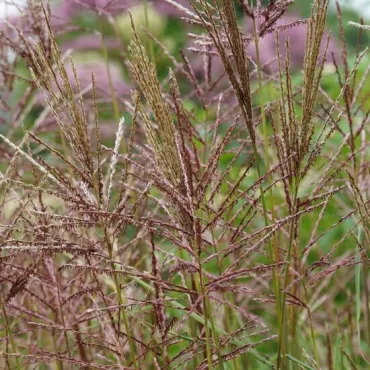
230,235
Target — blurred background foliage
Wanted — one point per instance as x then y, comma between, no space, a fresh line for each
87,29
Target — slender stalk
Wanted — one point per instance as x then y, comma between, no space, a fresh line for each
150,41
273,248
10,334
202,290
228,311
365,273
358,295
59,362
283,330
113,96
122,309
313,336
